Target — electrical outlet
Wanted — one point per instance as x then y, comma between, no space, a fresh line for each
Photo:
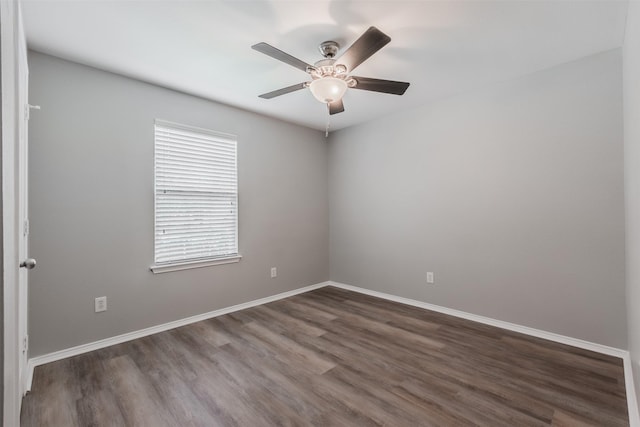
274,272
101,304
430,278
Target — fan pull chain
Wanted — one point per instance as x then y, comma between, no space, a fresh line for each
326,130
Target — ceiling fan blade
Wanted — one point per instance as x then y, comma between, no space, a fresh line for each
369,43
275,53
283,91
377,85
336,107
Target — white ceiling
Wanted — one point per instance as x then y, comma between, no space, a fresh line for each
204,47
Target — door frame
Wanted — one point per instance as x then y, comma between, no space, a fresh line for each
23,113
11,43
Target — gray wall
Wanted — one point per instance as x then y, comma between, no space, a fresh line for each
91,203
632,180
512,195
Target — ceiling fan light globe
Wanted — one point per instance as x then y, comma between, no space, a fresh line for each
328,89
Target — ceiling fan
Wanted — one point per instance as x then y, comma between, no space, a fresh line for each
330,77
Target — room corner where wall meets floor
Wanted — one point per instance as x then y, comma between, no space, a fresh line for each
312,323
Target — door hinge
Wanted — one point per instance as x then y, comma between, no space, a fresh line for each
28,108
25,343
25,228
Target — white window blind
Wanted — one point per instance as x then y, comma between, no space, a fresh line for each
196,194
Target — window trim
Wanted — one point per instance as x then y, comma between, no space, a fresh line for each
188,265
170,266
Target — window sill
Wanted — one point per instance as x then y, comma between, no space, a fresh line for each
166,268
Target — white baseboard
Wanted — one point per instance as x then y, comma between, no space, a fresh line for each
575,342
632,400
632,403
85,348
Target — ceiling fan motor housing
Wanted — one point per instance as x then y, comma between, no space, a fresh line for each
328,68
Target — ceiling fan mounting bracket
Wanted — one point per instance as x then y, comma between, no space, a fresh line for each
329,49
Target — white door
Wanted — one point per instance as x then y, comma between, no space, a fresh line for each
13,79
23,204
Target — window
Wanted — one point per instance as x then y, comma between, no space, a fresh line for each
196,198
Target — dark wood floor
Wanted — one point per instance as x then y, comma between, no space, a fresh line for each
331,358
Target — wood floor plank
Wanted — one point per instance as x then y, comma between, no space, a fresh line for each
176,394
137,399
293,350
288,322
293,307
58,406
326,358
